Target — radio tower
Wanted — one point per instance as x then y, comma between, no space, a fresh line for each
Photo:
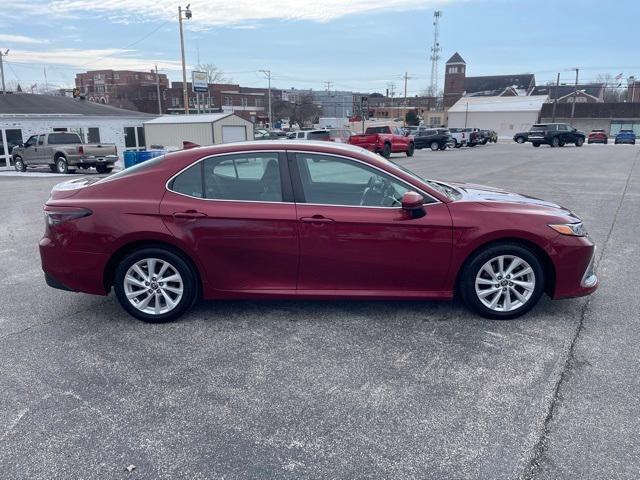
435,54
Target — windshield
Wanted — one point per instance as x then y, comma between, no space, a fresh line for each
447,190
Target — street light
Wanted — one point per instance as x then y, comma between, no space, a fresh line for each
185,94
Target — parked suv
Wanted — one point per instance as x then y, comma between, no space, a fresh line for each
433,138
555,135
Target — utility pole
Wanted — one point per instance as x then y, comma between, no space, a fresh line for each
185,93
406,77
2,68
466,115
435,53
328,83
158,92
267,73
575,94
555,100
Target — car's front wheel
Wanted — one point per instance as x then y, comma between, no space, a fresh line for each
502,281
410,150
579,142
535,144
434,146
520,139
155,285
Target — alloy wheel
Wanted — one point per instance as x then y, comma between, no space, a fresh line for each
153,286
505,283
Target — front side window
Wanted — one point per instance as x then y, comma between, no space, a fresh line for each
31,141
328,180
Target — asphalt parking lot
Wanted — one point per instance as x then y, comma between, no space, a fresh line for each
297,390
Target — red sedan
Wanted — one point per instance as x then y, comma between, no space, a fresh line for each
313,220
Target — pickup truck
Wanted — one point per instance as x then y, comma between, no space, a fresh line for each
469,137
63,152
385,140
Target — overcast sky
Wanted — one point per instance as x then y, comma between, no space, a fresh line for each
359,45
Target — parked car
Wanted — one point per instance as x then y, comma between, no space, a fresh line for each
521,137
625,136
266,220
462,137
597,136
63,152
434,138
555,135
385,140
340,135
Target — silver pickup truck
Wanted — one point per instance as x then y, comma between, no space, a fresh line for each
64,152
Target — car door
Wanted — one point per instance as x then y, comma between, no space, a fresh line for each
28,152
236,213
355,238
37,156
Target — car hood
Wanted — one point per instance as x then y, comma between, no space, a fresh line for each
492,196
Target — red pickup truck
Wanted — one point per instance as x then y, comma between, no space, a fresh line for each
384,140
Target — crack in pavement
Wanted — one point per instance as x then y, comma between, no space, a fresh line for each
42,324
533,468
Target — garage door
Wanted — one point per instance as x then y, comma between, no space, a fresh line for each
233,133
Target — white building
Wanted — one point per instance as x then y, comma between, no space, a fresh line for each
23,115
506,115
170,131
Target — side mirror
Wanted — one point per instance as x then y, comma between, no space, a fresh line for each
413,203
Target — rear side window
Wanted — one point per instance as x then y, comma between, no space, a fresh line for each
189,182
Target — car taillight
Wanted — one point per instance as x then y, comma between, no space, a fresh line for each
80,149
57,215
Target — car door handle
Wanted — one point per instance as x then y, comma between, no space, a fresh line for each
316,219
189,214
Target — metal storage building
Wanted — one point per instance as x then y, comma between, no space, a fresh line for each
505,115
170,131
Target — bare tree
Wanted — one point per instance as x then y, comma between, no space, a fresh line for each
614,90
304,111
214,74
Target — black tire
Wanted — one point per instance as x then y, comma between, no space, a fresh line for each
411,150
606,141
555,142
535,145
467,279
189,282
579,142
484,141
52,167
19,164
434,146
61,165
386,150
103,169
457,145
519,139
443,147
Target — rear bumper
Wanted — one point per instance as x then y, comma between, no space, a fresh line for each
72,270
91,160
629,141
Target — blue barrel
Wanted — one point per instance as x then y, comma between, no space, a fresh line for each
132,157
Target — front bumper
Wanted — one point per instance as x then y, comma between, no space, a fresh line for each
575,269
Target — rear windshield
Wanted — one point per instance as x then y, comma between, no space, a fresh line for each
626,131
597,131
137,168
378,130
63,138
318,136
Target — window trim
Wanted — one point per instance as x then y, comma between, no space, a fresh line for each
285,177
299,192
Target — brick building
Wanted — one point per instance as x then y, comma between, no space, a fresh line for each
123,88
457,84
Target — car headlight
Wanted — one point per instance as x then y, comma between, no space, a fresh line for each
571,229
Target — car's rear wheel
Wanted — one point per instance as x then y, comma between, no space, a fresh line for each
103,169
410,150
579,142
535,145
19,165
503,281
555,142
434,146
386,150
155,285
